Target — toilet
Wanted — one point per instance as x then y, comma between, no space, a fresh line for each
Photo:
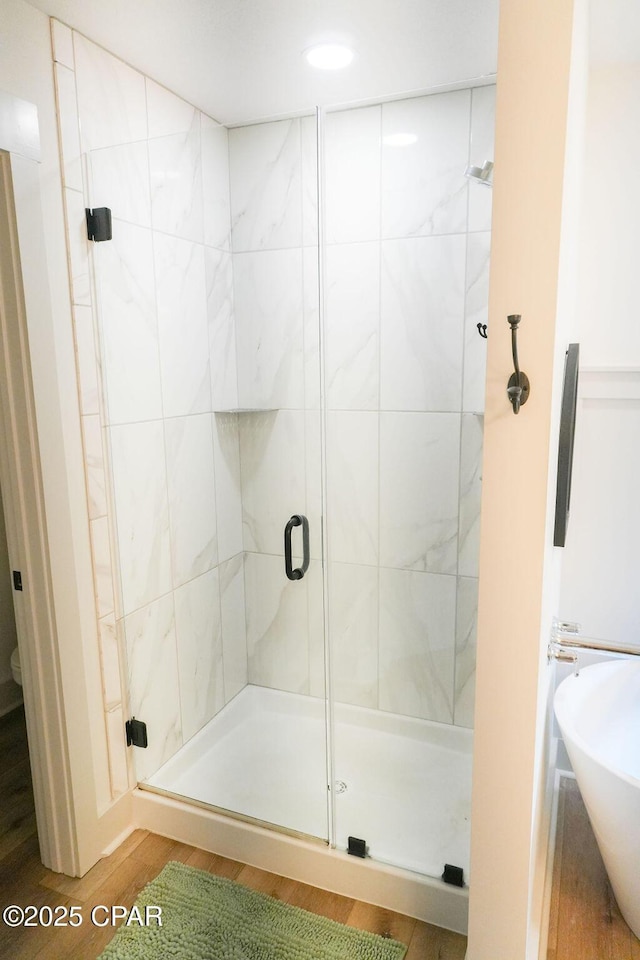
16,670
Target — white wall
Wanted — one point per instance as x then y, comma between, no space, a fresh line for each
599,583
608,299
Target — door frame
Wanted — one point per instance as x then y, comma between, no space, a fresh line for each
79,819
23,495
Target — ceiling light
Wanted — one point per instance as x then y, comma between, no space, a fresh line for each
399,139
329,56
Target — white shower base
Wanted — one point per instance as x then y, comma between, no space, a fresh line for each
407,782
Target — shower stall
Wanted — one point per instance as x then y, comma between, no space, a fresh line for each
290,391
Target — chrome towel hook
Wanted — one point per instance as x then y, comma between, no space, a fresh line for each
518,386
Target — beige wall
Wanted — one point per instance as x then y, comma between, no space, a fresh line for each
519,568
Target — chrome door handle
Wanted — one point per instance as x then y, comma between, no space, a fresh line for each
298,573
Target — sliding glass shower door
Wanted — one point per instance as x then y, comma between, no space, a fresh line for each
207,328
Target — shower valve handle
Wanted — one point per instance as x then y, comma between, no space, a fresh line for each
298,573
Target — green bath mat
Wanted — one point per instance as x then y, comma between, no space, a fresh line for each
205,917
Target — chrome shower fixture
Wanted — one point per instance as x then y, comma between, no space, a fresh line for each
481,174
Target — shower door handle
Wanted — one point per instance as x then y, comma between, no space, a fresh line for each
296,520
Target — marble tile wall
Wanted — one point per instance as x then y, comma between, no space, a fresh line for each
156,352
206,302
406,283
275,283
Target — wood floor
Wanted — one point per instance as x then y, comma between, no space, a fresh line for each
116,880
585,923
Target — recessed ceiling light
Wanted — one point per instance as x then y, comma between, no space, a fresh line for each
329,56
399,139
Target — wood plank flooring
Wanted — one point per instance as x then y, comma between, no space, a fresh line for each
585,923
117,879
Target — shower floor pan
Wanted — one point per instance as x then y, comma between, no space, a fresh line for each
402,785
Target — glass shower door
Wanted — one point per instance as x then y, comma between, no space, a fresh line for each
406,266
220,429
207,331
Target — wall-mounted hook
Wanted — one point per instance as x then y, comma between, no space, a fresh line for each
518,385
482,330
